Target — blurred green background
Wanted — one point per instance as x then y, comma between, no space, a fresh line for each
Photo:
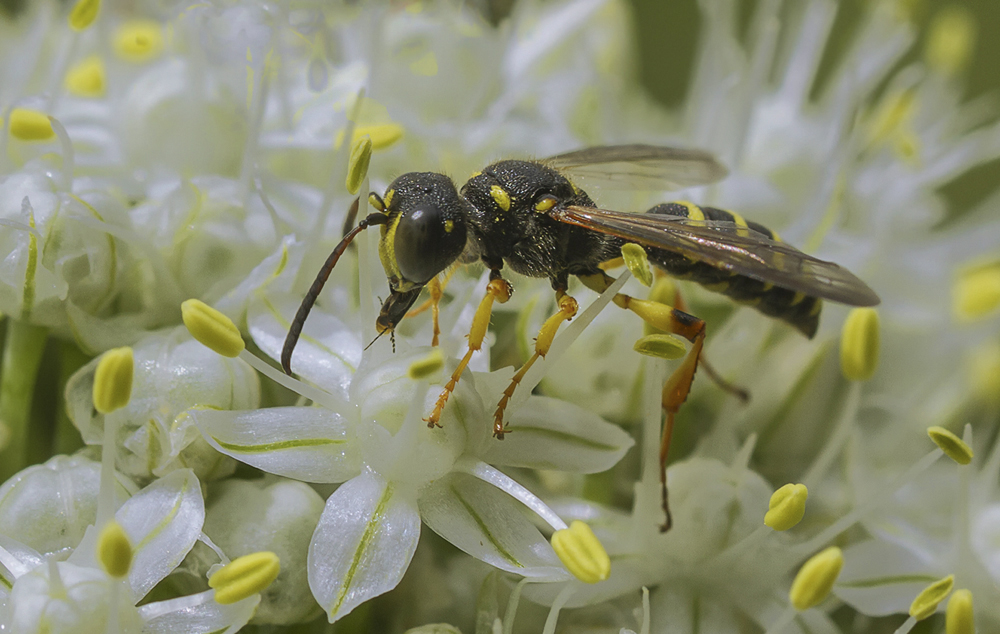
667,30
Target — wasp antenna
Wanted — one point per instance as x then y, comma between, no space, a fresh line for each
317,286
372,342
352,215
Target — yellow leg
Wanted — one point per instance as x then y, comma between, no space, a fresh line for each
497,290
567,310
436,289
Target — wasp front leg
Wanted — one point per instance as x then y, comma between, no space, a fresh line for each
567,310
678,385
499,290
436,290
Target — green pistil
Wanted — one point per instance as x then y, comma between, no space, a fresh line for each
22,354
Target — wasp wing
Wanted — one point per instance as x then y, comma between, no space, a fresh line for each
638,166
729,247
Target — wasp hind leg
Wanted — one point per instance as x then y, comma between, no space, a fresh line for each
678,385
499,290
567,310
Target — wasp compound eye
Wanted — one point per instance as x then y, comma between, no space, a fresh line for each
427,240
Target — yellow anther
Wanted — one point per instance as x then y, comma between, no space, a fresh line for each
114,550
30,125
139,40
357,167
859,344
977,291
382,135
787,506
950,41
927,601
959,617
501,197
86,77
113,380
661,346
244,577
637,263
815,578
83,14
582,553
213,329
426,367
953,446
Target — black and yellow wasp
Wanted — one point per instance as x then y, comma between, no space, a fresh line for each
530,216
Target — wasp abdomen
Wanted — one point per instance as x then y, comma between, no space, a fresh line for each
799,310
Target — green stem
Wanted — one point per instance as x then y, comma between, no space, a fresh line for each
67,437
22,354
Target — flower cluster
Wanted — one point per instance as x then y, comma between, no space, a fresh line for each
172,177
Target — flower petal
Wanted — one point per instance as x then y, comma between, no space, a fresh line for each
198,613
553,434
305,443
363,543
489,525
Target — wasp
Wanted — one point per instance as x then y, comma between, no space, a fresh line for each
531,217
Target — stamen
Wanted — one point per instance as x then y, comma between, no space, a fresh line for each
139,40
86,78
490,475
113,380
114,550
357,166
245,576
976,293
83,14
787,507
859,344
959,616
582,553
638,263
68,156
950,40
815,579
561,599
953,446
211,328
30,125
660,346
927,601
427,366
383,135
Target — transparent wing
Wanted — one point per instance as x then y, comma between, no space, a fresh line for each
638,166
730,247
